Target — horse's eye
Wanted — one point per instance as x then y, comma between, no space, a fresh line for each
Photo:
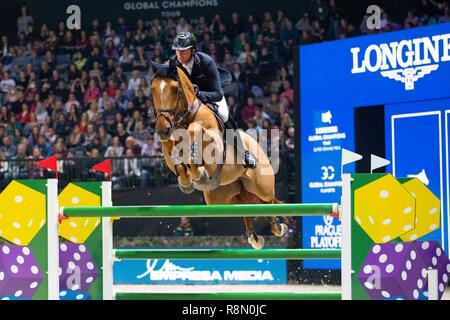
175,90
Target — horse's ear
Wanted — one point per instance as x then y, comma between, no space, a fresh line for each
155,66
186,85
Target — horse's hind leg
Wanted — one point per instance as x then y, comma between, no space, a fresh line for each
257,242
278,228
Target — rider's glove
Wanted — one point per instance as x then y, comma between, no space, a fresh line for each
196,90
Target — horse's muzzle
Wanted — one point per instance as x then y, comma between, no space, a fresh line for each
164,134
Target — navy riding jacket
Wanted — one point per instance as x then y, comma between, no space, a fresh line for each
206,76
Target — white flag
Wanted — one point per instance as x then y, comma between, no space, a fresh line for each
377,162
349,157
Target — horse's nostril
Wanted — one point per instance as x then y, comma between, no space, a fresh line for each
167,131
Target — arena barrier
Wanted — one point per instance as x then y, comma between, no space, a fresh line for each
86,254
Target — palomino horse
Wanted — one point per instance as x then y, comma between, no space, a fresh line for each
222,182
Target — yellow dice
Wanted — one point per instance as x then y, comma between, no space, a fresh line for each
384,209
77,230
428,210
22,213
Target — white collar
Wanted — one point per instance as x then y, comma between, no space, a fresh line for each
189,65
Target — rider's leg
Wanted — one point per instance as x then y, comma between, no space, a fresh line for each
249,158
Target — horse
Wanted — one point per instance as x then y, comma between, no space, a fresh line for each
179,113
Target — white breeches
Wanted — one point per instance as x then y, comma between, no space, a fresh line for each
223,109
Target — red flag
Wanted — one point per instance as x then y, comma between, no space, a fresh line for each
49,163
104,166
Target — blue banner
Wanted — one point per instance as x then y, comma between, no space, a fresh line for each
155,271
338,76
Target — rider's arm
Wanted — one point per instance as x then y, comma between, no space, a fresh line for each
216,93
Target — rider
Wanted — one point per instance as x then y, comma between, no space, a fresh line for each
203,73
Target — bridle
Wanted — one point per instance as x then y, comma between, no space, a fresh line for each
180,117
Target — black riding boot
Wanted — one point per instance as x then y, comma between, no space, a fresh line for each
250,159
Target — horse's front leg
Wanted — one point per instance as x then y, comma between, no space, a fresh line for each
185,182
195,166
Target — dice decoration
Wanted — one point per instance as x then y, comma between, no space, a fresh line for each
77,268
74,295
20,275
428,207
77,230
400,270
384,209
22,213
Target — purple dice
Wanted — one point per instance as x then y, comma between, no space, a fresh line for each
400,270
436,258
20,275
77,270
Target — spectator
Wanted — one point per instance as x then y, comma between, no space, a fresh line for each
184,228
114,150
149,148
71,102
287,92
7,148
75,139
19,167
89,135
24,117
44,146
411,21
133,83
133,169
445,17
92,93
248,112
110,52
62,127
5,84
111,89
17,138
24,20
121,133
35,171
140,132
109,114
104,136
134,145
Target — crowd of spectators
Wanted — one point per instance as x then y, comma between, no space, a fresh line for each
87,93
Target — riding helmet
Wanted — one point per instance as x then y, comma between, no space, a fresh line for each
184,40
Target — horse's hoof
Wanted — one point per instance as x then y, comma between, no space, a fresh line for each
186,189
256,243
279,229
